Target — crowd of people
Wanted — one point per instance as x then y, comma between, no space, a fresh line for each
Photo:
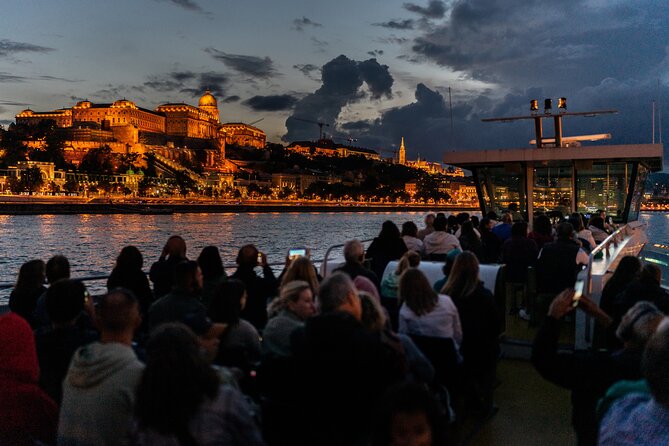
192,355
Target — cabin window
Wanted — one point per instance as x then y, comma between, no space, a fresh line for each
604,185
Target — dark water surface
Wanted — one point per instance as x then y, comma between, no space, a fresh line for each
92,242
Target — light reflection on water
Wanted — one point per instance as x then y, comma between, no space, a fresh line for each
92,242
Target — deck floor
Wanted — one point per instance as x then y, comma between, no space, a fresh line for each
532,411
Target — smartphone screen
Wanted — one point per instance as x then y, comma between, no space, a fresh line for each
297,252
578,288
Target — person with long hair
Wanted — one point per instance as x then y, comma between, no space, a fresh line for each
470,240
480,328
542,230
597,228
181,401
386,247
29,287
294,305
213,272
389,285
626,272
410,236
301,268
423,311
128,274
240,343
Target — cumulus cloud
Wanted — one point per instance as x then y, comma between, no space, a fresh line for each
342,82
256,67
9,47
271,102
435,9
304,22
577,42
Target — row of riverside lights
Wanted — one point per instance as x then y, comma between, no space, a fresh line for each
548,105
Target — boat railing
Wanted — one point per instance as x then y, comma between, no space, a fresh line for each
605,252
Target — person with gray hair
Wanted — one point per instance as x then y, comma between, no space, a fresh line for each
589,375
341,370
354,254
642,418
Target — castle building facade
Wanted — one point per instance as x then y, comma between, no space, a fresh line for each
244,135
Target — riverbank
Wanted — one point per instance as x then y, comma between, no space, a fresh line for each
46,205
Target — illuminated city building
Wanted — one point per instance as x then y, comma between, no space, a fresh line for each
327,147
403,153
244,135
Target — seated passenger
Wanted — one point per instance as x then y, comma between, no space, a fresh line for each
596,227
424,312
480,329
27,414
582,233
542,231
99,389
589,375
342,370
440,243
213,272
57,267
354,254
470,240
302,268
428,229
637,419
29,287
182,299
240,342
409,415
128,274
446,269
646,288
374,319
386,247
410,237
65,302
294,306
559,262
389,285
162,271
180,399
259,290
503,229
491,245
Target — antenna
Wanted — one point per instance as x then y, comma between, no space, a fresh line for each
653,121
659,110
450,106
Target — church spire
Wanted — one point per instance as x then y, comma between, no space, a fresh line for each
403,153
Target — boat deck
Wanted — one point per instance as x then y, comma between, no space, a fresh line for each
532,411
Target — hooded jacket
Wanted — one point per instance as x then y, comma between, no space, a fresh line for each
26,412
440,242
99,395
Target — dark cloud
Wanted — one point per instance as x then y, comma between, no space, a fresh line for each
300,24
342,81
56,78
320,44
392,40
231,99
189,82
6,122
9,47
7,77
516,43
271,102
377,77
375,53
307,69
14,104
188,5
426,122
257,67
397,24
435,9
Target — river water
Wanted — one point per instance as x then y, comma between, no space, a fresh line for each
92,242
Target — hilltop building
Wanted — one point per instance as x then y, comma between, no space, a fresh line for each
327,147
403,153
126,127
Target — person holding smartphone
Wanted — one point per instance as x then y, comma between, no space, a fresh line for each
260,289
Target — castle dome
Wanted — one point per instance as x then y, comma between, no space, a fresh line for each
208,100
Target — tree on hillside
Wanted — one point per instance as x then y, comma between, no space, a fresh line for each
31,180
98,160
128,161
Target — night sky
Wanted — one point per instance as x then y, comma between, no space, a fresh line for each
375,70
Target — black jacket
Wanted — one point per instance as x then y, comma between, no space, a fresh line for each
382,251
355,269
556,266
587,374
259,290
